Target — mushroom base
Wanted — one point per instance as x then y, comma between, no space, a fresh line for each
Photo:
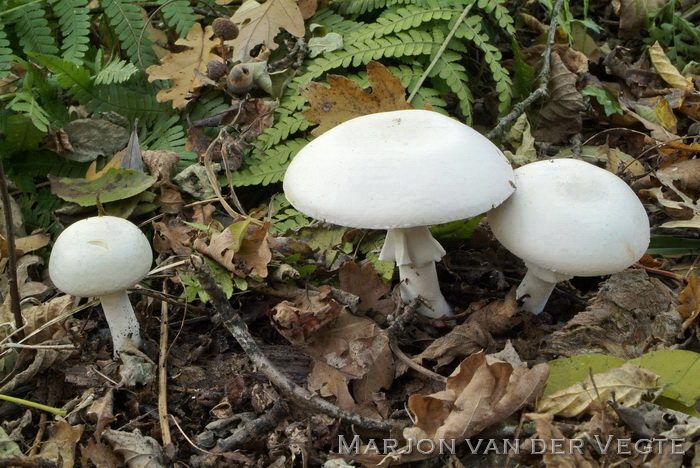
537,286
422,281
121,320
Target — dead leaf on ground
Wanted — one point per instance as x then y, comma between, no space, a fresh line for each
36,316
25,244
261,22
482,391
98,454
101,412
364,282
61,443
633,13
173,235
689,307
160,164
463,340
311,310
254,254
138,451
499,316
345,100
666,69
562,456
561,115
180,67
628,383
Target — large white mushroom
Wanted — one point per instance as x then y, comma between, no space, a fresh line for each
103,257
569,218
402,171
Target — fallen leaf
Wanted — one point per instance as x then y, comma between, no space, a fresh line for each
689,308
137,450
552,457
365,283
666,69
37,316
101,412
217,248
520,138
628,383
61,443
479,393
499,316
345,100
98,454
180,67
173,235
260,23
116,184
253,254
160,163
463,340
678,371
26,244
565,372
633,13
114,163
91,138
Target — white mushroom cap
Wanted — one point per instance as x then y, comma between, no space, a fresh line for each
573,218
398,169
99,256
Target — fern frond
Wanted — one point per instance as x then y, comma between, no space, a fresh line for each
455,77
24,103
128,103
179,14
116,71
207,106
286,124
125,17
20,134
334,22
359,7
166,134
402,19
500,13
270,169
33,30
410,76
5,54
74,78
74,22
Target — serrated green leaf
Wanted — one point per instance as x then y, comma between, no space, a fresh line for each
116,184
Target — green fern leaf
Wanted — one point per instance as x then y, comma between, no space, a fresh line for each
20,134
166,134
33,30
179,14
125,17
74,78
5,54
116,71
24,103
74,22
271,169
359,7
206,106
402,19
128,103
455,77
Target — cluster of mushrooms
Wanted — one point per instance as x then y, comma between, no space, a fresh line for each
404,171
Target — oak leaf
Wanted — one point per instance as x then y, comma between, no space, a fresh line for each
345,100
180,67
260,22
689,308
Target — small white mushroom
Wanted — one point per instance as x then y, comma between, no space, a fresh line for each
569,218
402,171
103,257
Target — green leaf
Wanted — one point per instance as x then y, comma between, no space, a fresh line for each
5,53
605,98
179,14
678,370
20,134
116,71
32,29
565,372
667,246
456,230
125,17
74,21
24,103
116,184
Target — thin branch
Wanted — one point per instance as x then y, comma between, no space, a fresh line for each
543,80
26,462
237,327
11,254
163,371
253,430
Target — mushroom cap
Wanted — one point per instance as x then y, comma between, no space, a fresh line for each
398,169
98,256
573,218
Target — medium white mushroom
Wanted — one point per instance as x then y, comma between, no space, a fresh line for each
402,171
103,257
569,218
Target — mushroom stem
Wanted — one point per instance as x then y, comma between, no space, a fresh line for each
121,319
422,281
415,251
537,286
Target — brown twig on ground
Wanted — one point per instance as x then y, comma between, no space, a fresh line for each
26,462
237,327
163,372
667,274
254,430
398,326
543,80
11,254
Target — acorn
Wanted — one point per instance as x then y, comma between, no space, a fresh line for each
240,80
224,29
215,69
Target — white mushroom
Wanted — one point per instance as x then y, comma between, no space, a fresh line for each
569,218
402,171
103,257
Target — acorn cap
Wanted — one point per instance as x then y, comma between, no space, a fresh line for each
398,169
224,29
216,69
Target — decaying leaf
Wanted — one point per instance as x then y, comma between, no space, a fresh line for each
116,184
666,69
180,67
482,391
98,454
689,307
137,450
61,443
672,196
520,137
160,163
260,22
345,100
36,317
364,282
90,138
629,383
463,340
633,14
549,433
25,244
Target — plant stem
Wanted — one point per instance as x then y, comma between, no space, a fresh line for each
31,404
11,254
11,10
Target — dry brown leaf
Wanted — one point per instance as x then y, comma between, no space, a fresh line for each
138,451
160,163
499,316
298,320
463,340
345,100
217,248
480,392
180,67
633,14
365,283
92,172
26,244
629,383
173,235
61,443
254,254
260,24
36,316
666,69
557,458
98,454
561,115
307,8
689,307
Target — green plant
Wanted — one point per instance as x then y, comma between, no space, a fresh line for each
679,37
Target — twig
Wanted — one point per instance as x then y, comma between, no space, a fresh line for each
11,254
254,430
26,462
543,79
237,327
163,372
440,51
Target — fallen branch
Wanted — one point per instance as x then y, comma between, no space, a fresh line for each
11,254
253,430
237,327
543,80
26,462
163,372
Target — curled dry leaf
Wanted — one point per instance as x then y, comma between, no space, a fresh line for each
482,391
365,283
689,307
628,383
137,450
554,457
463,340
666,69
37,316
633,13
345,100
160,163
61,443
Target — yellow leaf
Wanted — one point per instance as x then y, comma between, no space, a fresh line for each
260,22
115,162
666,69
180,67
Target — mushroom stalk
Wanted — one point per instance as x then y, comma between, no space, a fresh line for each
121,319
415,251
536,287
